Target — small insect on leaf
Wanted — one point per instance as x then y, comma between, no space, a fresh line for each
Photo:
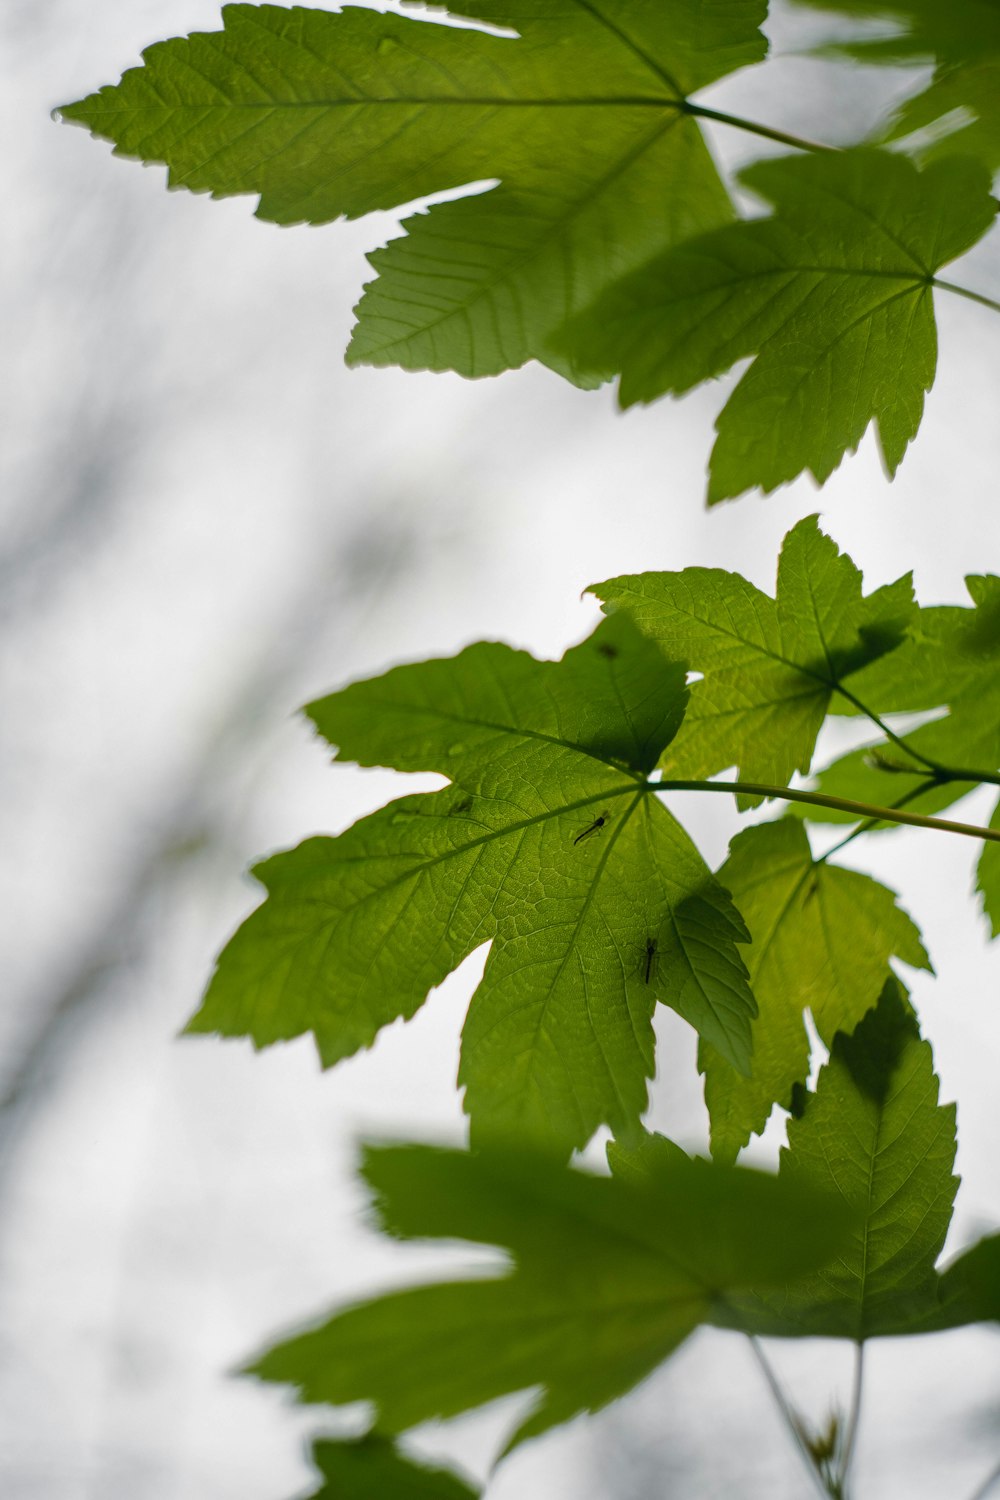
651,946
594,827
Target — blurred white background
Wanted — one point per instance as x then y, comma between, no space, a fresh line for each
206,520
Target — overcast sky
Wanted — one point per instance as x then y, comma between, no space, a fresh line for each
208,519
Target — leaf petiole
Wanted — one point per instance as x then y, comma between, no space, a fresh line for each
788,1416
963,291
854,1417
937,772
769,133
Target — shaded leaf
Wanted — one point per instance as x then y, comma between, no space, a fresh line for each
959,110
769,665
969,1288
643,1156
832,294
579,117
875,1133
548,843
950,660
608,1278
370,1468
823,938
988,878
951,657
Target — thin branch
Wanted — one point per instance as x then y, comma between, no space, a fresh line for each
870,823
992,1478
767,131
788,1416
841,804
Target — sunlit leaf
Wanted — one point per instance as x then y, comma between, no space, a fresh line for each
875,1133
769,665
579,116
548,842
832,294
823,938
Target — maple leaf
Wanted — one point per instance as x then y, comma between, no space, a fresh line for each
770,666
968,1288
950,660
822,938
951,657
832,294
959,110
608,1278
988,878
875,1133
371,1468
548,843
582,117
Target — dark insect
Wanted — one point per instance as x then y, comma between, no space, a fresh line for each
651,946
595,827
606,649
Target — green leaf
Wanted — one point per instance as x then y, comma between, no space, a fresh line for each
608,1278
643,1156
769,665
959,111
580,117
960,31
370,1468
969,1288
548,843
823,938
951,656
951,659
988,878
832,294
875,1133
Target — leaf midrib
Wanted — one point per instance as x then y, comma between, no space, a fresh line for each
391,705
570,950
406,101
486,289
418,870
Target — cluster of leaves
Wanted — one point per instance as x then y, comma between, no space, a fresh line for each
553,843
610,244
959,111
608,1276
